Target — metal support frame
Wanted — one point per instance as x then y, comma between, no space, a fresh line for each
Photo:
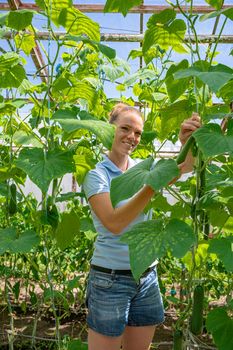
203,39
98,8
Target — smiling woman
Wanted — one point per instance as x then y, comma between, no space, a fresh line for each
129,127
121,311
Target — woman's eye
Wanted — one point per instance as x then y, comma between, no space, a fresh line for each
124,128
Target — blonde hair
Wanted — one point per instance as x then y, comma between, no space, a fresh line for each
121,108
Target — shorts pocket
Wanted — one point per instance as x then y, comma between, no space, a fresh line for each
102,280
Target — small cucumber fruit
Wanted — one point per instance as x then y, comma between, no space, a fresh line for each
12,207
197,312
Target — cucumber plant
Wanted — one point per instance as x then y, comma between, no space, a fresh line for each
184,88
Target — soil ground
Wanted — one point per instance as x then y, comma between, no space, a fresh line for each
74,326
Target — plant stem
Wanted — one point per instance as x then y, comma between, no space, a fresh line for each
10,336
216,43
188,17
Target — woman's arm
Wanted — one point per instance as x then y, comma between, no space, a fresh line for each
116,219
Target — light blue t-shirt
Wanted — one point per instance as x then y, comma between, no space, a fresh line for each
109,251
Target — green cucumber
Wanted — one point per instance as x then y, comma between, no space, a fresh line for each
197,312
177,340
184,151
12,206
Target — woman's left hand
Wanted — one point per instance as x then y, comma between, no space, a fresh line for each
189,126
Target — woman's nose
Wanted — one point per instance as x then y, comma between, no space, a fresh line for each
131,135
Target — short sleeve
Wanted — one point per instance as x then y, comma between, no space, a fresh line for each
95,182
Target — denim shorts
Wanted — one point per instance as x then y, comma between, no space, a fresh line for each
115,301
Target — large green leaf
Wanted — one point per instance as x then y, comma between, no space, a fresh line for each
53,8
144,245
11,172
104,131
12,77
106,50
111,72
122,6
172,116
25,42
159,202
165,31
144,173
220,324
26,241
42,166
11,72
175,88
151,240
64,114
21,137
127,184
77,344
3,19
63,91
27,87
180,236
20,19
10,241
41,4
77,23
8,60
215,3
7,109
215,111
212,142
83,162
223,247
61,83
7,235
214,76
218,217
67,228
82,167
226,91
141,74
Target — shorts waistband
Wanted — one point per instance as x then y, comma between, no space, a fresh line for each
118,272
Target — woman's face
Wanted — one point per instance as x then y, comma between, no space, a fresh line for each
129,127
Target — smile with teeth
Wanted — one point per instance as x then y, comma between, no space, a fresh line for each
131,145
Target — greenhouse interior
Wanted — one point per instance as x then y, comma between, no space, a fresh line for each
116,174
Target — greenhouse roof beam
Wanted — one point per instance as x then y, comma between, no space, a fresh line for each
202,39
99,8
113,37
